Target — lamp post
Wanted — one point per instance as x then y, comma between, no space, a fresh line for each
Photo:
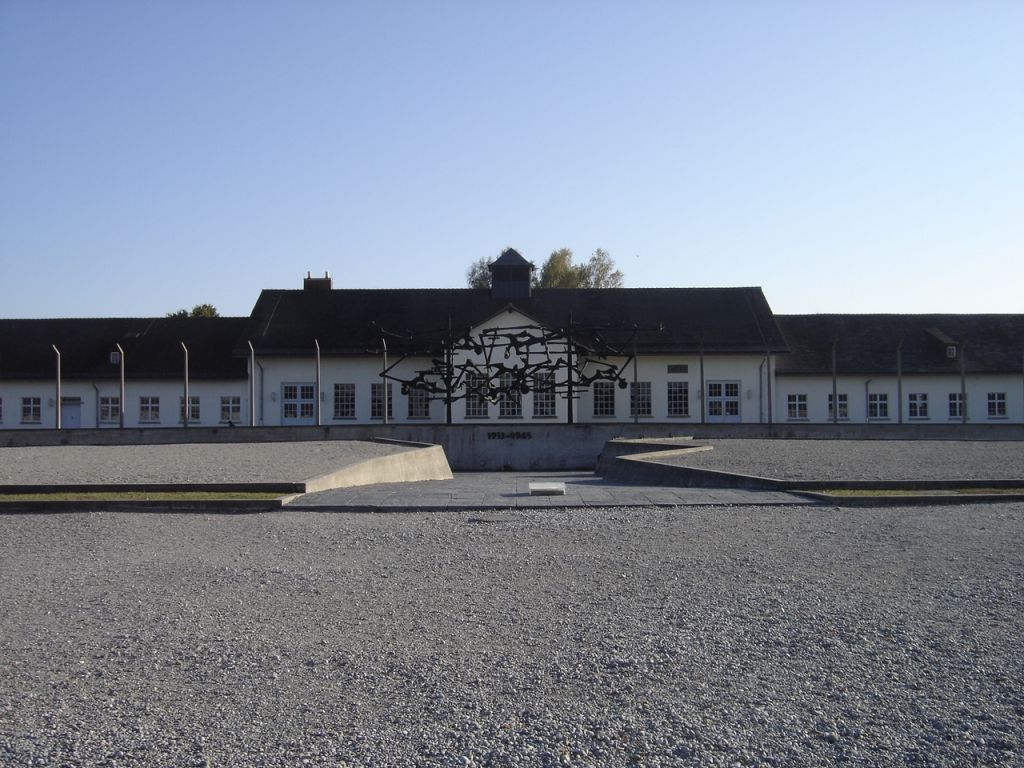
185,403
120,402
58,400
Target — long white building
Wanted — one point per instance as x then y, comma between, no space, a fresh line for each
512,355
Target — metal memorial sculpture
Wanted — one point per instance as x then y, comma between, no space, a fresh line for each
509,361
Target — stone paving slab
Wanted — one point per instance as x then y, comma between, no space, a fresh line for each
511,490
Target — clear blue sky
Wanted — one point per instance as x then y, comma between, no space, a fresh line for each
847,157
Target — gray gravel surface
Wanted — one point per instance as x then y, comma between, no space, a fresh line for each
184,463
861,459
704,636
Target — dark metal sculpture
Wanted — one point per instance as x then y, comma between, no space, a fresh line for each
510,361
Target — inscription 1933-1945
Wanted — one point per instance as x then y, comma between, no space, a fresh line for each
509,435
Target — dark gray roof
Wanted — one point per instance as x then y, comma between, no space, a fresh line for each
867,343
152,347
671,320
510,257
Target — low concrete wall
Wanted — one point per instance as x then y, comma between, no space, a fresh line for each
640,470
510,445
621,446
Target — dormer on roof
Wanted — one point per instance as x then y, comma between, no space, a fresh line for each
511,276
951,344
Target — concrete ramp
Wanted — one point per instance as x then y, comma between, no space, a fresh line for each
420,461
649,461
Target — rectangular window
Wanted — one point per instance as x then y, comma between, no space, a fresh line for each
732,398
796,406
723,400
231,409
715,408
678,398
476,396
544,395
110,409
640,398
307,400
193,408
419,403
844,406
31,410
289,401
344,401
604,399
379,392
917,405
298,403
956,405
997,405
878,406
149,409
511,404
679,368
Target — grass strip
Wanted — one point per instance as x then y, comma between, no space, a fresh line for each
139,496
928,492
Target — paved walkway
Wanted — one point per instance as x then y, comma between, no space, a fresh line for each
510,490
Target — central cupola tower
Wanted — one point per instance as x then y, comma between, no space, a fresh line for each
511,276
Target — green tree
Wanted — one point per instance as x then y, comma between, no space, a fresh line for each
199,310
478,275
560,272
601,271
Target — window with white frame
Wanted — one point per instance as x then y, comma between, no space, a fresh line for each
917,405
796,406
31,410
231,409
511,404
298,403
956,405
678,398
640,398
110,409
997,405
193,408
844,406
476,396
418,401
723,400
345,401
544,395
379,393
878,405
149,409
604,399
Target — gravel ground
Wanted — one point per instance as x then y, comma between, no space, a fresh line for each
184,463
861,459
704,636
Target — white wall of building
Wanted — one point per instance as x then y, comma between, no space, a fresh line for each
748,372
274,374
936,389
81,402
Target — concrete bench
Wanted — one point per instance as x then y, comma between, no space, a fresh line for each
547,489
